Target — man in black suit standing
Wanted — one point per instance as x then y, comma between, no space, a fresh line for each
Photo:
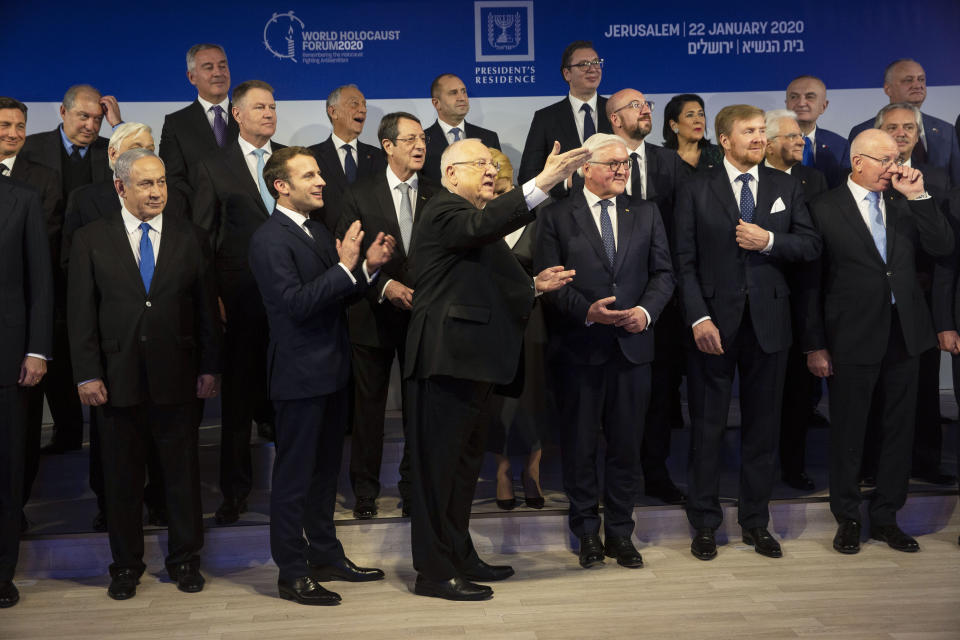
26,287
449,97
599,345
390,201
306,278
867,324
78,155
654,174
824,150
145,346
231,201
736,228
206,124
471,302
572,120
785,150
343,158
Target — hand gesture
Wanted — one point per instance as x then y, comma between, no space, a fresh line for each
552,278
399,295
907,180
349,248
380,251
560,166
752,237
111,110
707,337
598,313
634,322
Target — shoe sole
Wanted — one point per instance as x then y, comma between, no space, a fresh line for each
123,596
703,556
591,564
190,589
884,539
846,552
466,598
775,554
470,578
318,603
7,605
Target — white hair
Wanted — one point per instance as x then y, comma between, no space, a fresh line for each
124,131
124,164
449,155
773,119
598,141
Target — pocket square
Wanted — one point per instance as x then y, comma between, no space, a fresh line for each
778,206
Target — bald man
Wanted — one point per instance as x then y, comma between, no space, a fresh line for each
866,325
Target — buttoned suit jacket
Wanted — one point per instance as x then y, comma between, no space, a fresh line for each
370,160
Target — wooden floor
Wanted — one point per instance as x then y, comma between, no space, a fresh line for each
811,592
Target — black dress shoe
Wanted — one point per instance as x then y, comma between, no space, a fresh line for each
799,481
123,584
304,590
365,508
187,577
704,544
895,537
344,570
623,550
508,504
847,539
483,572
762,542
531,494
229,511
591,550
9,595
157,516
666,492
455,588
99,522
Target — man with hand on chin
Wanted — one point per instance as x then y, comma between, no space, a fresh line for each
307,279
867,323
736,227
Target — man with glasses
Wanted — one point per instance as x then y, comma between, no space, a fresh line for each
601,342
472,301
449,97
866,324
390,201
572,120
654,172
824,150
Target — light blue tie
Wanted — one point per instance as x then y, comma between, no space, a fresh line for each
456,133
877,229
747,205
268,200
147,263
606,232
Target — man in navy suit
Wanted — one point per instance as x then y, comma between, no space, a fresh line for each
449,97
572,120
824,150
905,81
342,158
306,279
600,344
736,228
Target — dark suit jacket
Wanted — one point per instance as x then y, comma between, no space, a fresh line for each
715,276
641,275
144,346
946,285
370,160
374,323
832,157
26,283
847,300
437,142
305,293
551,123
942,147
46,182
186,138
812,180
100,200
471,297
47,149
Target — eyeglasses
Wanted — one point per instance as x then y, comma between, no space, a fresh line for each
586,64
613,165
792,137
639,105
481,164
423,138
885,163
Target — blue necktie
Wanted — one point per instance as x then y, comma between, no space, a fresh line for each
456,133
606,232
147,263
588,127
268,200
877,230
807,152
747,204
349,164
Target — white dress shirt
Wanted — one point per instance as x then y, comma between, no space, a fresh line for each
247,149
447,127
860,197
766,163
341,154
8,163
134,233
578,116
225,105
300,220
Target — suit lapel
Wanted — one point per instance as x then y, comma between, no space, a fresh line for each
626,219
170,244
851,213
121,249
724,193
894,208
584,217
331,162
201,126
367,161
651,164
233,158
9,200
766,192
568,126
294,229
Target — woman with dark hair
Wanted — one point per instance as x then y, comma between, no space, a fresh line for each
684,131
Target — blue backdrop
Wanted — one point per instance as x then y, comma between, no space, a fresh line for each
499,48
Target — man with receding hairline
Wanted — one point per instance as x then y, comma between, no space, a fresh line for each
824,149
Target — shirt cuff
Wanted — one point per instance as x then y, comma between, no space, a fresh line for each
383,289
350,275
532,194
703,319
369,276
38,355
80,384
646,313
769,246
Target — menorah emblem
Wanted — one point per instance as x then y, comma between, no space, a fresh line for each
503,21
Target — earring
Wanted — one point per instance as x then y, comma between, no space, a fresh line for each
676,129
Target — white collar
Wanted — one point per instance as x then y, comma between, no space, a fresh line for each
247,148
299,218
859,193
733,173
577,103
338,143
131,223
225,105
393,180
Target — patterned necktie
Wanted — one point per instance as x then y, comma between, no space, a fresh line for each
606,232
4,169
349,164
456,133
807,152
219,126
588,127
75,155
636,180
747,204
147,263
405,215
268,200
877,230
